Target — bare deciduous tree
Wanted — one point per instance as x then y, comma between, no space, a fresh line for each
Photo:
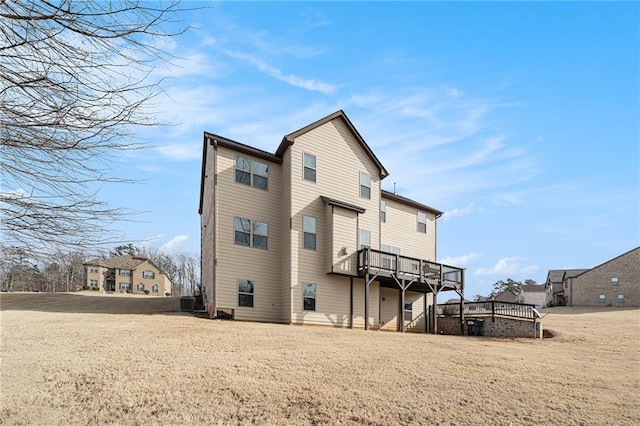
75,82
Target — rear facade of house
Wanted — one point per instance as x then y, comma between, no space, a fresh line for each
306,235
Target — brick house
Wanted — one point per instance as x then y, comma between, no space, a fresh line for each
615,282
557,281
126,274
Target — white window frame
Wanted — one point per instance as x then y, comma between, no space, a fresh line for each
621,298
140,287
93,269
422,229
383,211
154,288
252,232
150,275
306,167
252,171
124,272
308,230
365,235
615,281
602,298
311,295
251,293
409,311
388,261
365,185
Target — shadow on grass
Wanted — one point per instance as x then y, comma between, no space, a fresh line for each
93,304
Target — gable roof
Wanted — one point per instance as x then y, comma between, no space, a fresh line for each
120,262
608,261
289,139
533,288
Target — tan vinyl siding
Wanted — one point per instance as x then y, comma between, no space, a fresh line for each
400,230
390,305
241,262
344,235
208,231
286,239
339,161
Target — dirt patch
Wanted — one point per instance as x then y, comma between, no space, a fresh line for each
64,365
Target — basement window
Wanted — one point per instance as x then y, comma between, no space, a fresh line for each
245,293
621,298
408,310
602,298
309,296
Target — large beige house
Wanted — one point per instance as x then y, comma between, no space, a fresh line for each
126,274
306,235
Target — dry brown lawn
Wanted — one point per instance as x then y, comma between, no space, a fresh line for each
94,359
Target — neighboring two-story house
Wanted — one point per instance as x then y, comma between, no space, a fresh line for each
126,274
306,235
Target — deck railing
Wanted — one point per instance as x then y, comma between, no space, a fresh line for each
381,261
490,308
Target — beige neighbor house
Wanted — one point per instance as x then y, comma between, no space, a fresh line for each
306,235
533,294
126,274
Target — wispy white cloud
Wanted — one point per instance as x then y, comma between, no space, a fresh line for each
174,243
508,266
462,260
292,79
458,212
180,152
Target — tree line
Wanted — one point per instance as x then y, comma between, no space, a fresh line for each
64,271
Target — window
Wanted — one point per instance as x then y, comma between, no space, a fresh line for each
250,233
154,288
93,283
252,173
125,286
125,272
148,274
621,298
614,280
603,298
93,269
365,185
245,293
140,287
309,167
365,238
309,232
309,296
383,211
408,310
422,222
388,261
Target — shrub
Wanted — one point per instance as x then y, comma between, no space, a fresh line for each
167,294
146,292
95,288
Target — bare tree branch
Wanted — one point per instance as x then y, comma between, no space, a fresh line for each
76,80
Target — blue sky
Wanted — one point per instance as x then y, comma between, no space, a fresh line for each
519,120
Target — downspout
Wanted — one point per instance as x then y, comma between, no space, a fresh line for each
214,314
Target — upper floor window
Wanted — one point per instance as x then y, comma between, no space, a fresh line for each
93,269
245,293
252,172
422,222
602,298
614,280
148,274
365,185
125,272
309,167
309,232
365,238
383,211
309,296
250,232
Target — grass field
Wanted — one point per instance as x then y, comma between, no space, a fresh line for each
96,359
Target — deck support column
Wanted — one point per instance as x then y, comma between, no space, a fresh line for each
402,309
366,301
351,303
424,314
